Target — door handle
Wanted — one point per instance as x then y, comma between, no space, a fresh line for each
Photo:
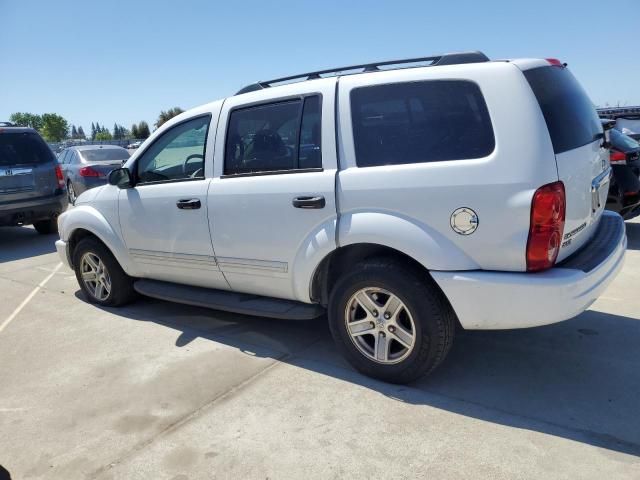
309,202
189,204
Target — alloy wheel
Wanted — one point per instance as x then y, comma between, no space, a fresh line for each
95,276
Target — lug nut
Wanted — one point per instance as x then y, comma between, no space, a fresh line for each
375,313
372,324
387,315
392,328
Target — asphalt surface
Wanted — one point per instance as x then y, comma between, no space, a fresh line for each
165,391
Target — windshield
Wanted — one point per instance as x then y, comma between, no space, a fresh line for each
622,142
23,148
104,155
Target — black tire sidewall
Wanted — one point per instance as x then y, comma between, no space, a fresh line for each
418,297
121,283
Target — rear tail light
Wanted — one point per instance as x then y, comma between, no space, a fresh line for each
555,62
547,226
617,158
89,172
59,176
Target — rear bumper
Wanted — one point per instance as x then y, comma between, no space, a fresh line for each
25,212
486,300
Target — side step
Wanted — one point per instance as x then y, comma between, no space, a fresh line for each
228,301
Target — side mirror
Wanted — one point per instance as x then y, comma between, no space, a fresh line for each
121,178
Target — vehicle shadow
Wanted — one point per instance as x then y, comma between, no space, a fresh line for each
17,243
576,379
633,235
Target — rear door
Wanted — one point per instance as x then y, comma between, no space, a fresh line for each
576,135
272,209
27,166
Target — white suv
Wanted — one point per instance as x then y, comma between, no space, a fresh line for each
402,200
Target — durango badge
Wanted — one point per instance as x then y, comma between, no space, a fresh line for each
464,221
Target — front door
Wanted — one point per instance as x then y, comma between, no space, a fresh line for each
164,217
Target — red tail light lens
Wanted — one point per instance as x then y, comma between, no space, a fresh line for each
555,62
548,209
617,158
59,176
89,172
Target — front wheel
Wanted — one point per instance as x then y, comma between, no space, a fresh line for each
71,193
390,322
100,276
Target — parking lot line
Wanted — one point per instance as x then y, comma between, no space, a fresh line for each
33,293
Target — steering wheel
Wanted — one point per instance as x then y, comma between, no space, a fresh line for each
194,155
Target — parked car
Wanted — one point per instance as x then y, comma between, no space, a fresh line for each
32,190
399,200
624,192
87,167
627,119
134,145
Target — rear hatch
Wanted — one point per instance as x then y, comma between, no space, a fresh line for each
577,137
27,166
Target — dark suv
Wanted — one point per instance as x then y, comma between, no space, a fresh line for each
32,189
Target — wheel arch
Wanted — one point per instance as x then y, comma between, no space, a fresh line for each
341,259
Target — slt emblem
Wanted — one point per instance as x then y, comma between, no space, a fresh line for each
464,221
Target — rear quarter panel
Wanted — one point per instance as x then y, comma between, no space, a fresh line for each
422,197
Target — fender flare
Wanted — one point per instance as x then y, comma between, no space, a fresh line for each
85,217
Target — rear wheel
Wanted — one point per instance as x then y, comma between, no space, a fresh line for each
389,322
100,276
45,227
71,193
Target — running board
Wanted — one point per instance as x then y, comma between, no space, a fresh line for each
228,301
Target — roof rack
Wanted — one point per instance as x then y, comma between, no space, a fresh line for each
437,60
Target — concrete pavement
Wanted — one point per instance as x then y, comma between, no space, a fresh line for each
165,391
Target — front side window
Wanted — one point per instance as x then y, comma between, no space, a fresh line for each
176,155
416,122
281,136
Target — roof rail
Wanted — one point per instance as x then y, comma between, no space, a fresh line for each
436,60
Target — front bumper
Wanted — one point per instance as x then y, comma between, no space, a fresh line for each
62,248
485,300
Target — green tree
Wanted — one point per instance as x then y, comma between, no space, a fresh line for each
168,115
74,132
104,135
54,127
134,131
81,133
93,131
24,119
143,130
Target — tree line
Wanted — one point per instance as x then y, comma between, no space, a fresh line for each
55,128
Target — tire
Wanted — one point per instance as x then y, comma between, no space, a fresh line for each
117,286
71,193
45,227
425,317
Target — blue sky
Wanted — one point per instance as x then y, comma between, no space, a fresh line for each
124,61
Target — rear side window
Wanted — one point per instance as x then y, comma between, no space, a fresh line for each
571,117
418,122
23,148
276,137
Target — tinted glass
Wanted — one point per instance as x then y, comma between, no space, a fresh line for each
176,155
571,117
622,142
309,155
24,148
262,139
104,154
420,122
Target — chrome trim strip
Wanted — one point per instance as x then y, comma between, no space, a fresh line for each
12,172
187,260
252,264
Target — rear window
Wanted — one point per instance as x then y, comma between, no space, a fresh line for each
416,122
571,117
23,148
104,154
